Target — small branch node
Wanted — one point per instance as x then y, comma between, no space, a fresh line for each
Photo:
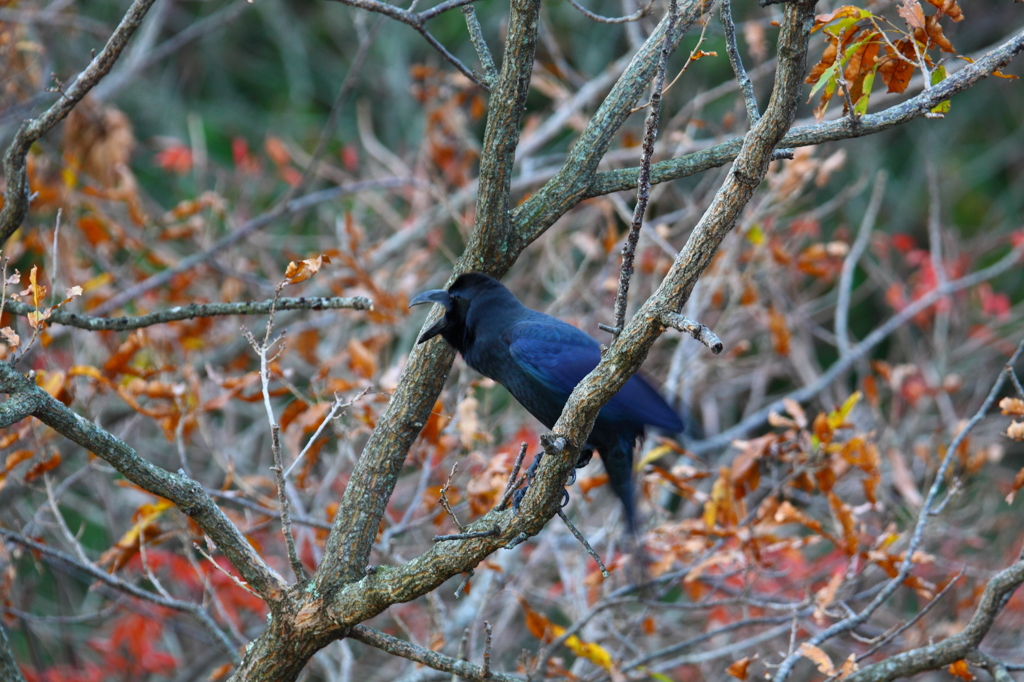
695,329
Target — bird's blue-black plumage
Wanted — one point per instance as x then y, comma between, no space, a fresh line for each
540,359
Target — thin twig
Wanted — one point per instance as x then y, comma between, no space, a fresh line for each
867,224
191,311
742,79
398,647
487,650
513,479
476,37
643,192
262,350
417,21
635,16
468,536
910,623
583,541
338,405
444,497
117,583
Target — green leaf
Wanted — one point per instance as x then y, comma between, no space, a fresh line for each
861,107
939,75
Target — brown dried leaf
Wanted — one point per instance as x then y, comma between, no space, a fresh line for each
796,411
738,669
40,468
11,336
779,331
912,13
849,667
818,657
948,8
1018,483
1015,430
304,269
1012,406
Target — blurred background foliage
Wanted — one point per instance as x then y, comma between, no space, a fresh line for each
195,140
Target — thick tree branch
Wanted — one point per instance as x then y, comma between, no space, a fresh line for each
370,487
185,493
16,199
630,348
571,184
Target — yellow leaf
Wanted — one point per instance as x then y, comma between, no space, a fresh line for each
652,455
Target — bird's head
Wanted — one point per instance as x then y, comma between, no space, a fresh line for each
458,301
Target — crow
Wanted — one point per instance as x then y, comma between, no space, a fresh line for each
540,359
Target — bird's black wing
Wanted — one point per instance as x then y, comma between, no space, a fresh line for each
559,355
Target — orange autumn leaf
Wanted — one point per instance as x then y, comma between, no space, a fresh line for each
40,468
300,271
779,331
960,669
360,359
739,668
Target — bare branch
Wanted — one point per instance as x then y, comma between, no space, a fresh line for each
720,154
186,494
954,648
476,36
583,541
643,191
742,79
16,199
88,568
845,286
635,16
857,352
437,661
697,330
247,228
417,21
191,311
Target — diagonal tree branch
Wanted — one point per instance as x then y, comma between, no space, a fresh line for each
185,493
954,648
197,611
16,199
370,487
841,129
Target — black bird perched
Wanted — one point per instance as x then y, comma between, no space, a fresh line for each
540,359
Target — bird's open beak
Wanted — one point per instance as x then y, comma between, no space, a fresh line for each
433,296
